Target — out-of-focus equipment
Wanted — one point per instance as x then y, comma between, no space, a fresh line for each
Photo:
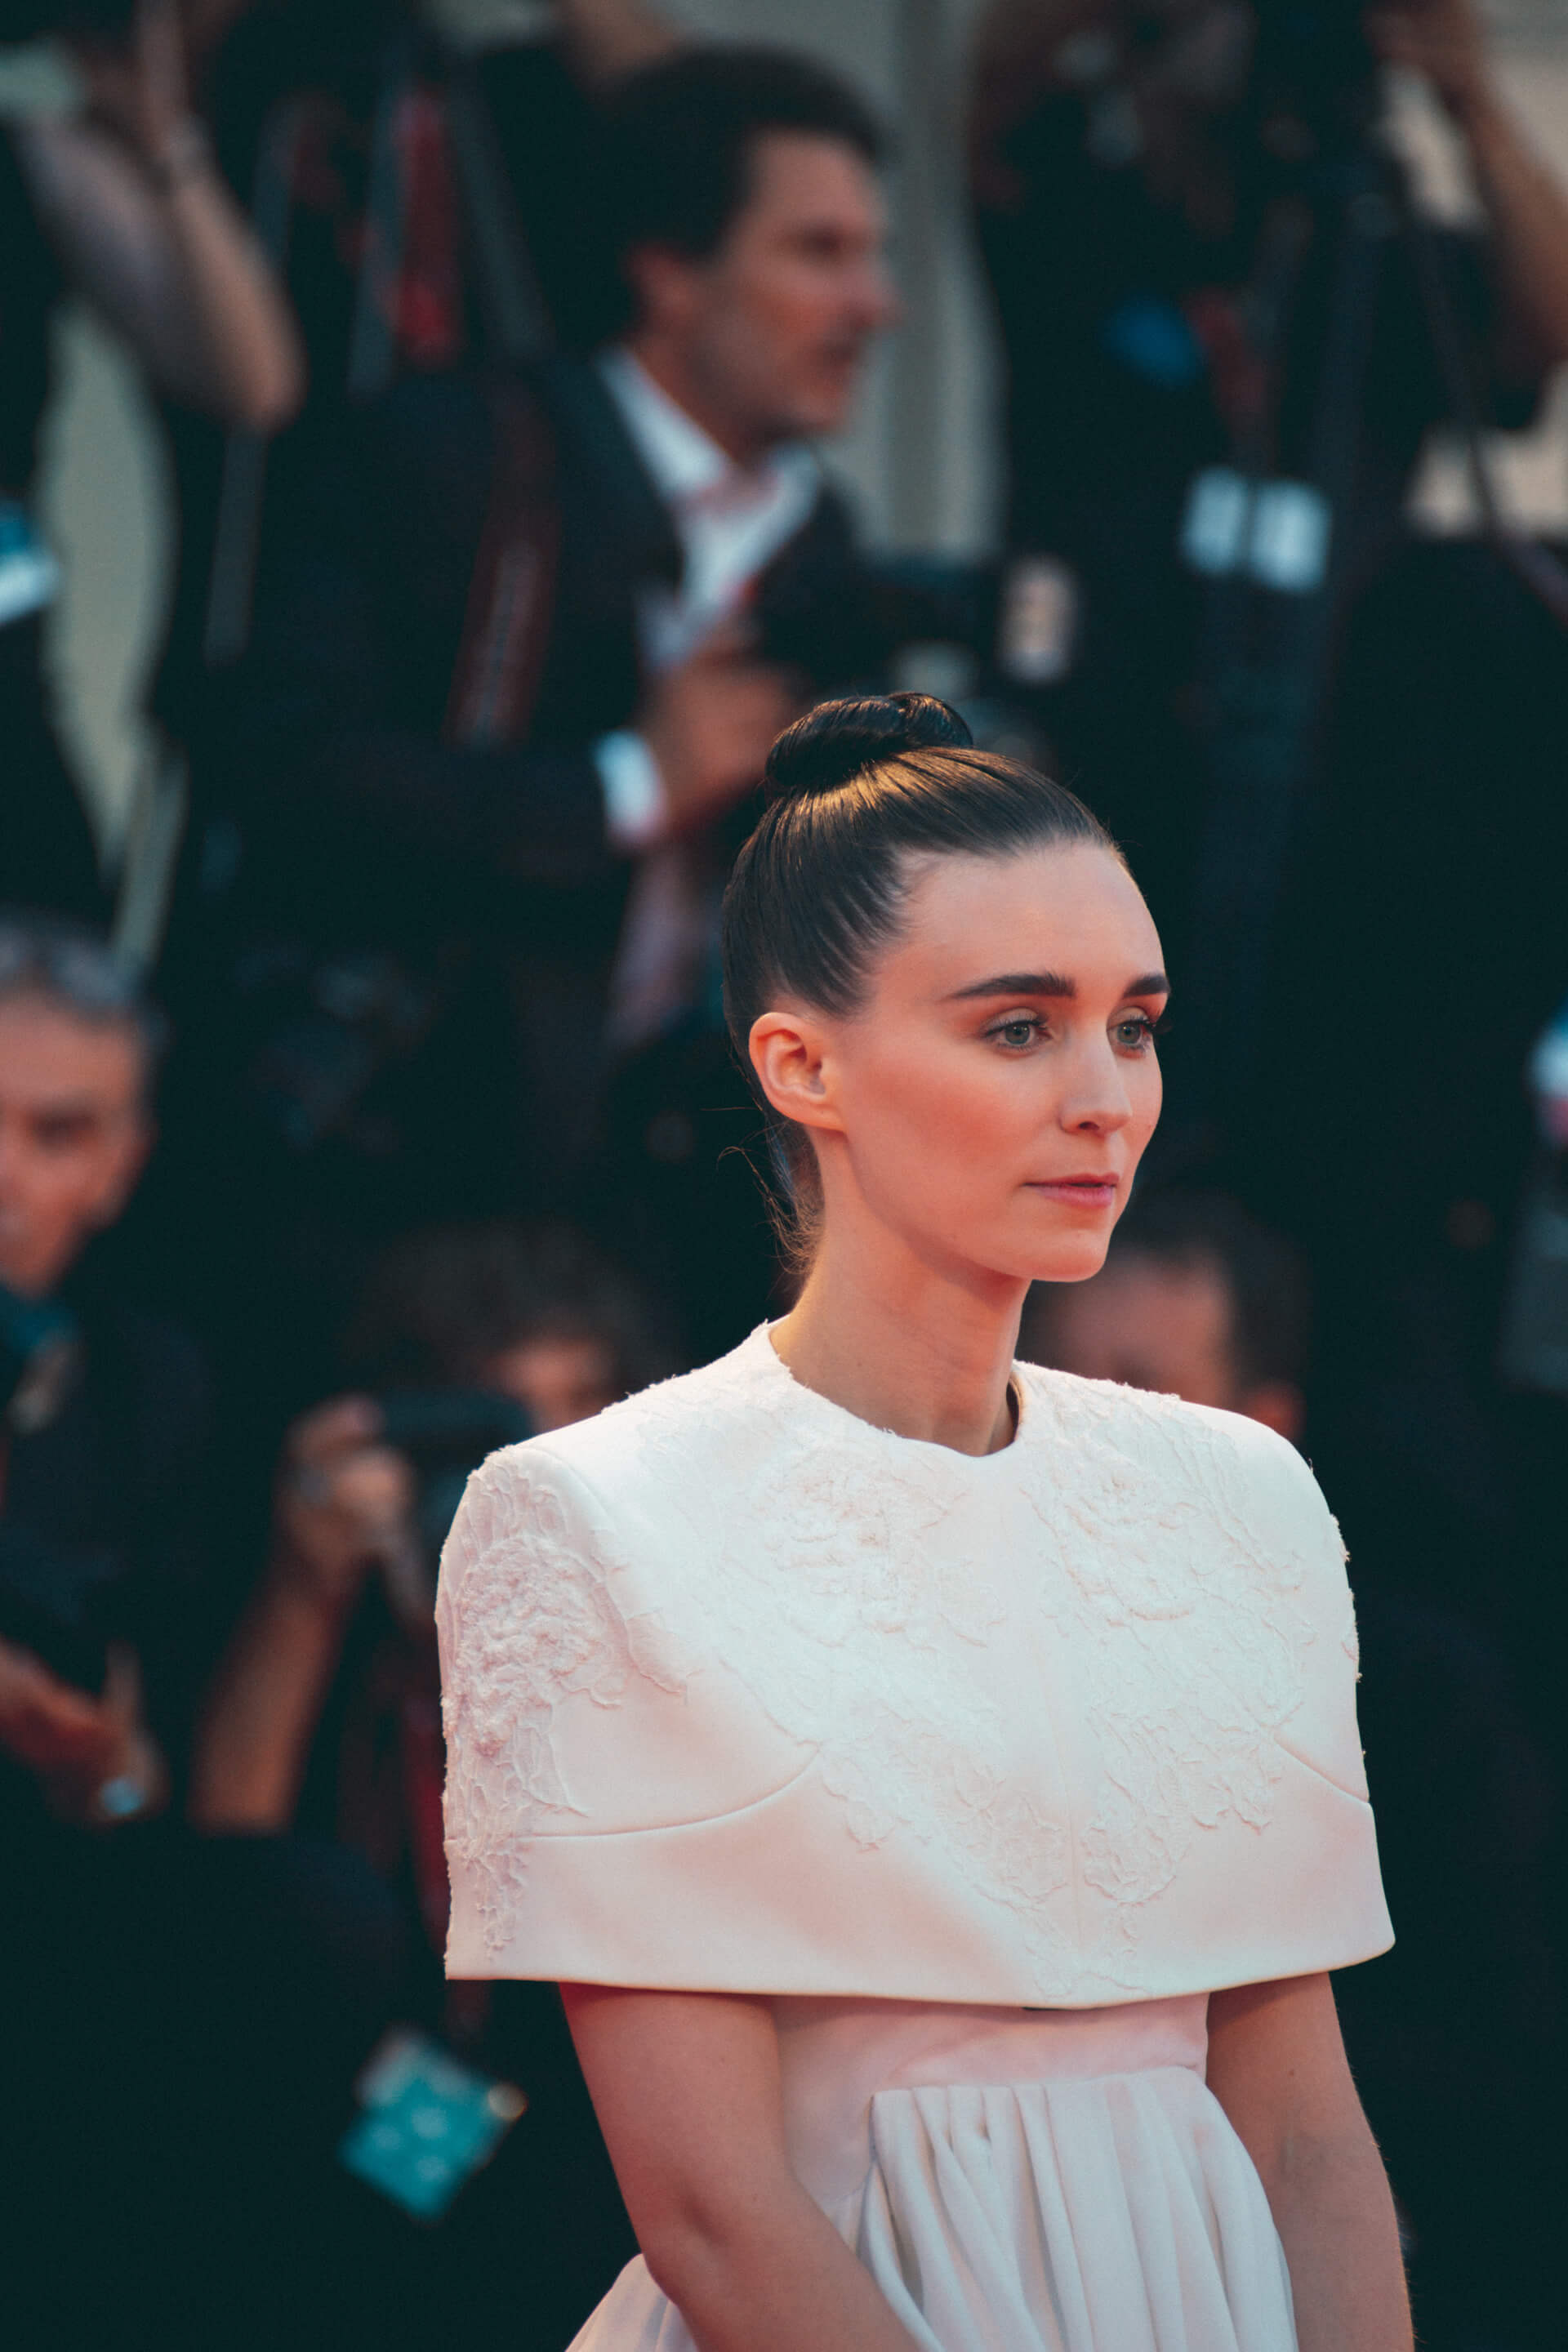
419,77
445,1434
331,1024
1280,555
1533,1350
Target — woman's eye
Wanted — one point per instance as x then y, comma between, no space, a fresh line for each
1138,1031
1022,1029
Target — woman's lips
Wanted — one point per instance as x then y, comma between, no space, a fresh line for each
1079,1191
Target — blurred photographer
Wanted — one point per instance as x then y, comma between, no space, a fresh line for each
472,1336
524,627
103,1438
119,202
103,1415
321,1734
1216,318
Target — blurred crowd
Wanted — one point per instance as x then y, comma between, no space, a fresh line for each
493,376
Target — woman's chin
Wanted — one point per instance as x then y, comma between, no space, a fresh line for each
1074,1259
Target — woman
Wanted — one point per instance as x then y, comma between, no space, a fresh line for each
933,1780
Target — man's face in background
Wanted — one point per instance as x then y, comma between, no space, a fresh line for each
74,1136
1150,1324
771,330
1163,1324
557,1377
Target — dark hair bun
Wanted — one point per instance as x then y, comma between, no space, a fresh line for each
840,741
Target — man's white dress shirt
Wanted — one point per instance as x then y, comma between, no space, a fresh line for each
731,521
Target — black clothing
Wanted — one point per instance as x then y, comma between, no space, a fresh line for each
1136,363
102,1539
347,1017
393,928
102,1527
30,288
1464,2014
328,68
414,949
46,853
1128,361
185,2017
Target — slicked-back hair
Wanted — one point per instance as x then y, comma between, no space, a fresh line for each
862,791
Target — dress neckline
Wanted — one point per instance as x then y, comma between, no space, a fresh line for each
767,1360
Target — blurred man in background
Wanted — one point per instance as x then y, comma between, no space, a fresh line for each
524,631
103,1408
104,1614
1198,1300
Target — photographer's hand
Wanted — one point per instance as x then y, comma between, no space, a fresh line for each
130,199
342,1505
1527,210
93,1756
342,1508
48,1725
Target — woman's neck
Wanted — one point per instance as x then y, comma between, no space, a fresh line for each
923,1353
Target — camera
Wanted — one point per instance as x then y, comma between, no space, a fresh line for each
445,1434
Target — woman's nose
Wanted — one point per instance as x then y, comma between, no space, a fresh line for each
1097,1103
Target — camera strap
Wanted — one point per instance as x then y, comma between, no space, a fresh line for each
510,607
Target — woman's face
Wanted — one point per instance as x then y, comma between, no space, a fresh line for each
991,1097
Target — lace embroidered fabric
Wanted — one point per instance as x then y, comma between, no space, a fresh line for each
869,1609
846,1598
527,1620
1194,1637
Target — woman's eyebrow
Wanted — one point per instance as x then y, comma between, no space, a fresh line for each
1018,983
1053,983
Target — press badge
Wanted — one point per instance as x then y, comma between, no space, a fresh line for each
29,574
427,2122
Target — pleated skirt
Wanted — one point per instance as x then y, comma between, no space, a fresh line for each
1111,2213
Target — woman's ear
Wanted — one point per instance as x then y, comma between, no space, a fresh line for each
788,1053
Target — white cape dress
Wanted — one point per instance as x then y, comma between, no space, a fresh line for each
984,1771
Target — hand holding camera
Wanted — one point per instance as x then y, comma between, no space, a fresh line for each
93,1756
344,1505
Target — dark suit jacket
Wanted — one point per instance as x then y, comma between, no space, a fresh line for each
480,876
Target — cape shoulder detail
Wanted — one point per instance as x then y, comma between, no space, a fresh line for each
665,1616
